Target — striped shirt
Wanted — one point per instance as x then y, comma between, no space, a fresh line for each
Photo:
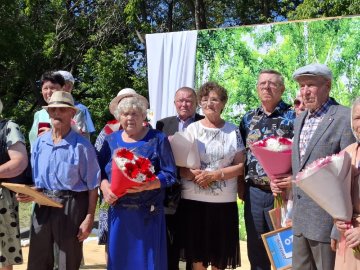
311,123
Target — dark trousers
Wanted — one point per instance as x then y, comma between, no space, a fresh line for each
173,250
58,226
257,221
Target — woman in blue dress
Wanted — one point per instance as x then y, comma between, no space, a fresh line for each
137,238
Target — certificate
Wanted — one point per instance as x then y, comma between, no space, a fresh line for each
278,246
39,197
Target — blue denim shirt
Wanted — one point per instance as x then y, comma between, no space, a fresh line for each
68,165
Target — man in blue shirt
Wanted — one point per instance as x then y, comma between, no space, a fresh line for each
65,168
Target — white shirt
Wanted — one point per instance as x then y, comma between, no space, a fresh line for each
217,149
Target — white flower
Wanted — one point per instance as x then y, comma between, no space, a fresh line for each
273,144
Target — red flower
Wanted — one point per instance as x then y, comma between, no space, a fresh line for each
131,170
143,164
124,153
284,141
150,176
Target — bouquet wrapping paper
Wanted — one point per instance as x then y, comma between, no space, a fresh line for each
327,181
274,155
129,170
185,150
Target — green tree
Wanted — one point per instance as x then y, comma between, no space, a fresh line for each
325,8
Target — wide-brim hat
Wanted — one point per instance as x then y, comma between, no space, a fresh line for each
61,99
313,70
124,93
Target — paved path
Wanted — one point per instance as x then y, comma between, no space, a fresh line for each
95,258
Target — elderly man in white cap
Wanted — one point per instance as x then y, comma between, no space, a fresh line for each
82,117
65,168
323,130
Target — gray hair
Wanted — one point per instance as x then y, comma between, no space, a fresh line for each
355,103
275,72
1,106
131,103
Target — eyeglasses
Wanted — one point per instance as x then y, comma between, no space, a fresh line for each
204,102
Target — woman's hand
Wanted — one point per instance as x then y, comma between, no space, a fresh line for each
205,178
42,130
187,173
109,196
352,237
20,197
145,186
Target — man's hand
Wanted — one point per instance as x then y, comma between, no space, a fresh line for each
280,184
85,228
333,244
23,198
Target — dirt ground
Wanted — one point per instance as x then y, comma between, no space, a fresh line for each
95,258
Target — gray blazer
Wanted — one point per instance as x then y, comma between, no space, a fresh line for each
331,136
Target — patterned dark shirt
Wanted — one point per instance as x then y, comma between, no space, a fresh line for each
257,125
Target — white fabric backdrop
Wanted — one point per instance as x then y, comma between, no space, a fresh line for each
171,65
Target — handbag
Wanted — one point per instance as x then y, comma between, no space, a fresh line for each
26,176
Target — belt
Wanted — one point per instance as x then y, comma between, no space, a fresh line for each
262,187
59,193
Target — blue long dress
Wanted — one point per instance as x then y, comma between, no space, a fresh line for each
137,232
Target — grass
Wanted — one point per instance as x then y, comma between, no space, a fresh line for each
25,210
242,231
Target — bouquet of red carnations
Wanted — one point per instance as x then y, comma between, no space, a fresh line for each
129,170
274,155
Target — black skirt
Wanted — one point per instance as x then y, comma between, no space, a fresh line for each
209,233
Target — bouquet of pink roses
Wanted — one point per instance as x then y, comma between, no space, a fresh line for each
274,155
327,181
129,170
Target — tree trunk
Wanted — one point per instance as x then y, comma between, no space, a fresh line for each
200,17
197,7
170,15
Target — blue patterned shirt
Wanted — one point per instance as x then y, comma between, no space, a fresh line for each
257,125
